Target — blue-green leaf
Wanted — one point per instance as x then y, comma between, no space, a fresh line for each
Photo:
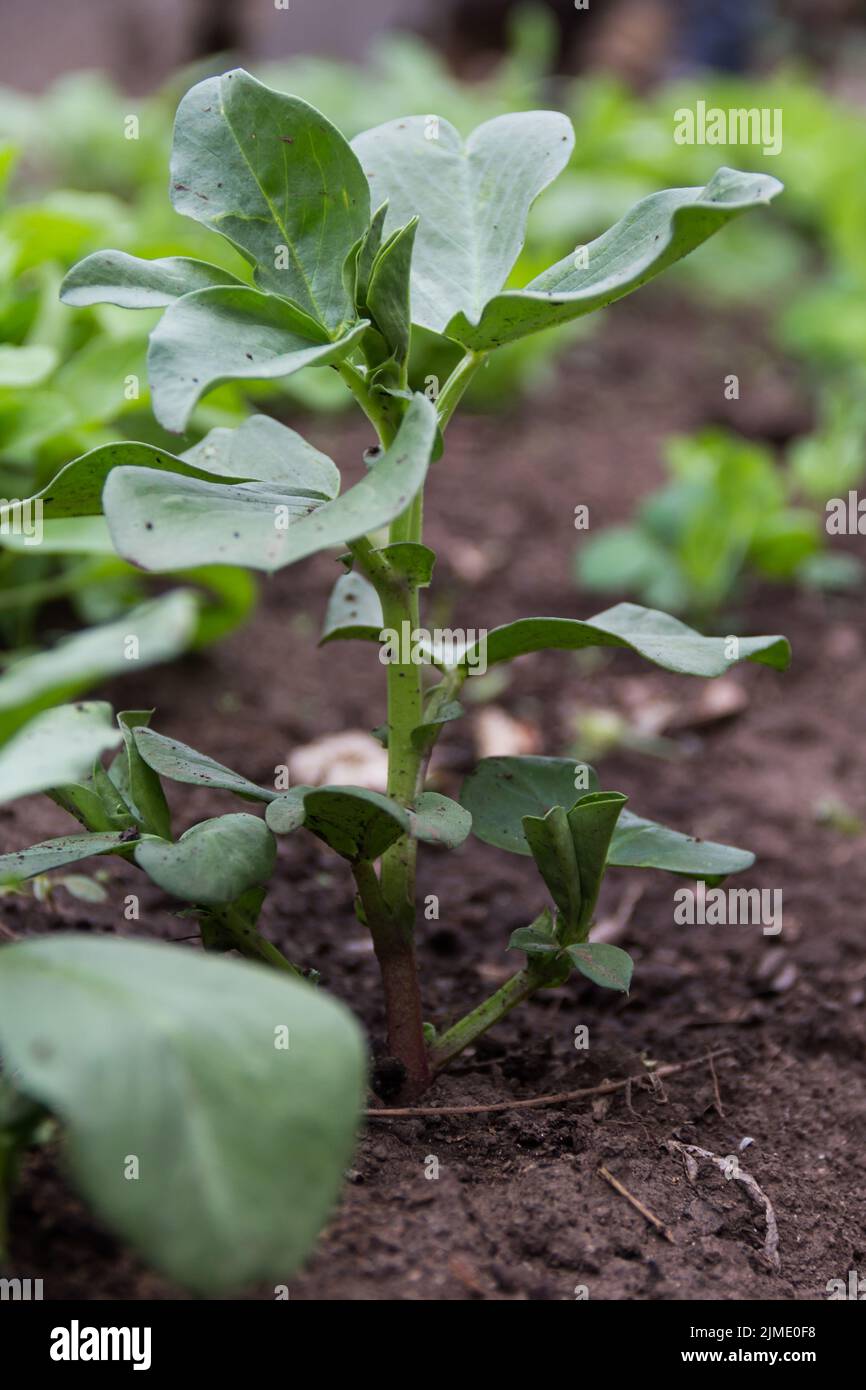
214,863
237,1090
232,334
180,763
53,854
658,231
272,175
160,521
113,277
472,199
654,635
606,965
56,747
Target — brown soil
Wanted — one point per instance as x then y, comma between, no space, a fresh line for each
519,1210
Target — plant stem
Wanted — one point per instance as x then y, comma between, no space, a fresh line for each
374,405
389,903
262,949
468,1029
395,952
389,899
405,712
374,564
231,929
452,391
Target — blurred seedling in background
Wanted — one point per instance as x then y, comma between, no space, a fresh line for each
730,513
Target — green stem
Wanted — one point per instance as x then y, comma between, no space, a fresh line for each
267,952
401,606
452,391
405,712
451,1043
389,900
232,930
374,565
395,951
378,408
389,903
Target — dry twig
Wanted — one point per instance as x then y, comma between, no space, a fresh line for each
718,1101
559,1098
636,1203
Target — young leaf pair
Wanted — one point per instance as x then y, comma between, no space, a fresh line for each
209,1108
219,867
221,863
532,805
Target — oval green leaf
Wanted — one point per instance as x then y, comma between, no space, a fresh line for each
180,763
655,233
76,491
644,844
356,822
552,845
286,812
53,854
606,965
160,522
172,1056
538,939
499,792
213,863
144,794
654,635
439,821
472,199
388,291
113,277
354,611
272,175
263,449
217,335
56,747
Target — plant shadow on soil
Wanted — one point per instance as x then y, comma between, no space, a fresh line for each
519,1210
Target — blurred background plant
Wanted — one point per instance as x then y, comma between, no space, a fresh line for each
730,512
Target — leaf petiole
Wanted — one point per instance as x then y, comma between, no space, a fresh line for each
457,383
470,1028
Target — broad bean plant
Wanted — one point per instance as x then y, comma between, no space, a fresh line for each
232,1089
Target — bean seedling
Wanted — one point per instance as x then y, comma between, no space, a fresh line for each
351,249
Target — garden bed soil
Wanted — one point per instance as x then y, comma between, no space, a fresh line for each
519,1209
